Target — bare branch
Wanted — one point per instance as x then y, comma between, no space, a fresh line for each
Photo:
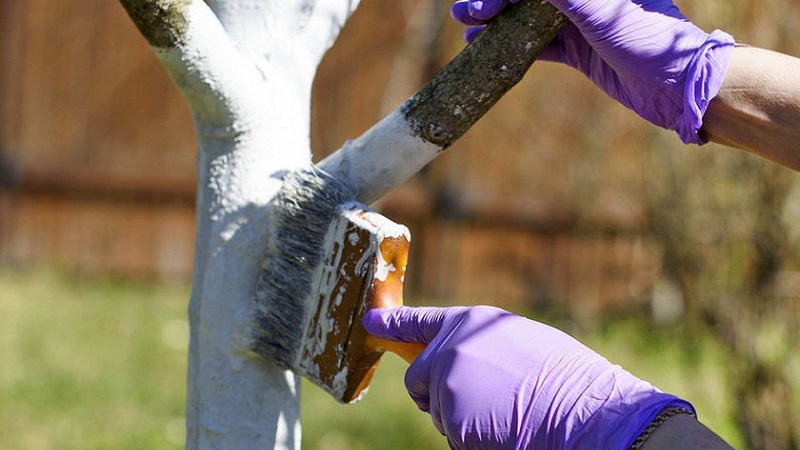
406,140
162,22
461,93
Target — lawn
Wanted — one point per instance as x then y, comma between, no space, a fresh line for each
101,364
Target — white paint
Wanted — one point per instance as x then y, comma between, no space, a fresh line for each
360,396
339,384
380,159
379,226
383,269
247,81
275,33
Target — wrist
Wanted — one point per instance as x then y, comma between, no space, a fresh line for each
629,421
613,409
704,76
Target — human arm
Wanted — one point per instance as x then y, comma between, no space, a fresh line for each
758,106
494,380
649,57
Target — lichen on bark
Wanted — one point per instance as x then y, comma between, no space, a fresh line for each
464,90
162,22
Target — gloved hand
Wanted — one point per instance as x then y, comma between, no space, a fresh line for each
643,53
494,380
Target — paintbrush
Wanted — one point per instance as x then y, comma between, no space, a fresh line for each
329,258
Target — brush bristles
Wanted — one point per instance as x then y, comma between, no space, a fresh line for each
300,216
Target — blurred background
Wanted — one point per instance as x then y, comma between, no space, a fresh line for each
680,263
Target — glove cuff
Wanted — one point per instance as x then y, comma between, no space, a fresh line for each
704,77
621,406
640,419
618,425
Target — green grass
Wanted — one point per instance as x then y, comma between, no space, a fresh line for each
101,364
90,364
385,419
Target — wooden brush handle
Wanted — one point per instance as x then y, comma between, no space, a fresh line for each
406,350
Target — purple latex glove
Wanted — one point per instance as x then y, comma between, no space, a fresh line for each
494,380
643,53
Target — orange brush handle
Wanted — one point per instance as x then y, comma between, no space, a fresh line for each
406,350
388,293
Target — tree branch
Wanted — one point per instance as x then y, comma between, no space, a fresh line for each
218,82
461,93
162,22
401,144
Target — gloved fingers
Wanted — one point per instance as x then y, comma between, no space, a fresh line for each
665,7
460,11
407,324
589,15
437,415
554,52
417,381
607,18
423,385
472,32
485,9
572,8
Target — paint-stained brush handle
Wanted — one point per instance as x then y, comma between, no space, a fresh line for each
362,268
409,351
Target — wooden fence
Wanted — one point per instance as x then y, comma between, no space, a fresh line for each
97,161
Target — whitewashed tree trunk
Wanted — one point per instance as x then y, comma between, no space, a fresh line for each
246,69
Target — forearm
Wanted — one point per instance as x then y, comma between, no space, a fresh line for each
758,106
684,431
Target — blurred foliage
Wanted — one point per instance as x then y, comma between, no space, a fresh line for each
726,242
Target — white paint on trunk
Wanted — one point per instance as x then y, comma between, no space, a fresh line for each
386,155
249,87
246,69
274,33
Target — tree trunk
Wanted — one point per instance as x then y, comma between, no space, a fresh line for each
246,69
